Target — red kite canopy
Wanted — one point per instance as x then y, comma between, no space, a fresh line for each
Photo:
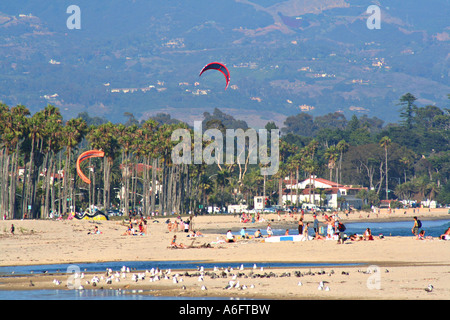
86,155
220,67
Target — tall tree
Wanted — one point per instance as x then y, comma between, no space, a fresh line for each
385,143
407,110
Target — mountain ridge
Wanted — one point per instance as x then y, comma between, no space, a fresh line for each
284,57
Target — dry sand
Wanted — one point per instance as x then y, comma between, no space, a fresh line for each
405,266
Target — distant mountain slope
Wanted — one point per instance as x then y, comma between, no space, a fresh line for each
139,56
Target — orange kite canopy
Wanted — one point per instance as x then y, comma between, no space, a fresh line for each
86,155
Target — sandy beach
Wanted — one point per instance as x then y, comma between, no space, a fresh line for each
405,266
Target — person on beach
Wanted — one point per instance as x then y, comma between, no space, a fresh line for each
316,225
269,231
341,229
12,229
330,228
230,237
305,231
446,235
416,226
421,235
300,226
258,234
368,234
174,244
96,231
244,234
141,229
186,226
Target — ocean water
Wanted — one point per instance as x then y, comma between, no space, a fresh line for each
91,294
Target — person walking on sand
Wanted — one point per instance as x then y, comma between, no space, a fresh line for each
416,226
269,231
12,229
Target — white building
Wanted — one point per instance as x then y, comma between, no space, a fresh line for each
322,191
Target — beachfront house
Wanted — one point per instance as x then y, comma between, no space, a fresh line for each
321,192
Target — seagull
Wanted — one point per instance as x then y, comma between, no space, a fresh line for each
183,287
299,284
31,284
203,288
254,266
174,280
200,278
429,288
327,289
242,267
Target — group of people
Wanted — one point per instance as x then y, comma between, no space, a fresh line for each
180,225
250,217
136,227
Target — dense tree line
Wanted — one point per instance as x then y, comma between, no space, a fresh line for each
406,160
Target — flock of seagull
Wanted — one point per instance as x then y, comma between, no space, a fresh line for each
156,274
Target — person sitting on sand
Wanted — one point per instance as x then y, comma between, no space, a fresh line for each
446,235
244,234
421,235
96,231
174,244
195,234
141,229
229,237
368,234
258,234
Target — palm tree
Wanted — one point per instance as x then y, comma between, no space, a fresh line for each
72,134
342,147
105,138
331,155
385,142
